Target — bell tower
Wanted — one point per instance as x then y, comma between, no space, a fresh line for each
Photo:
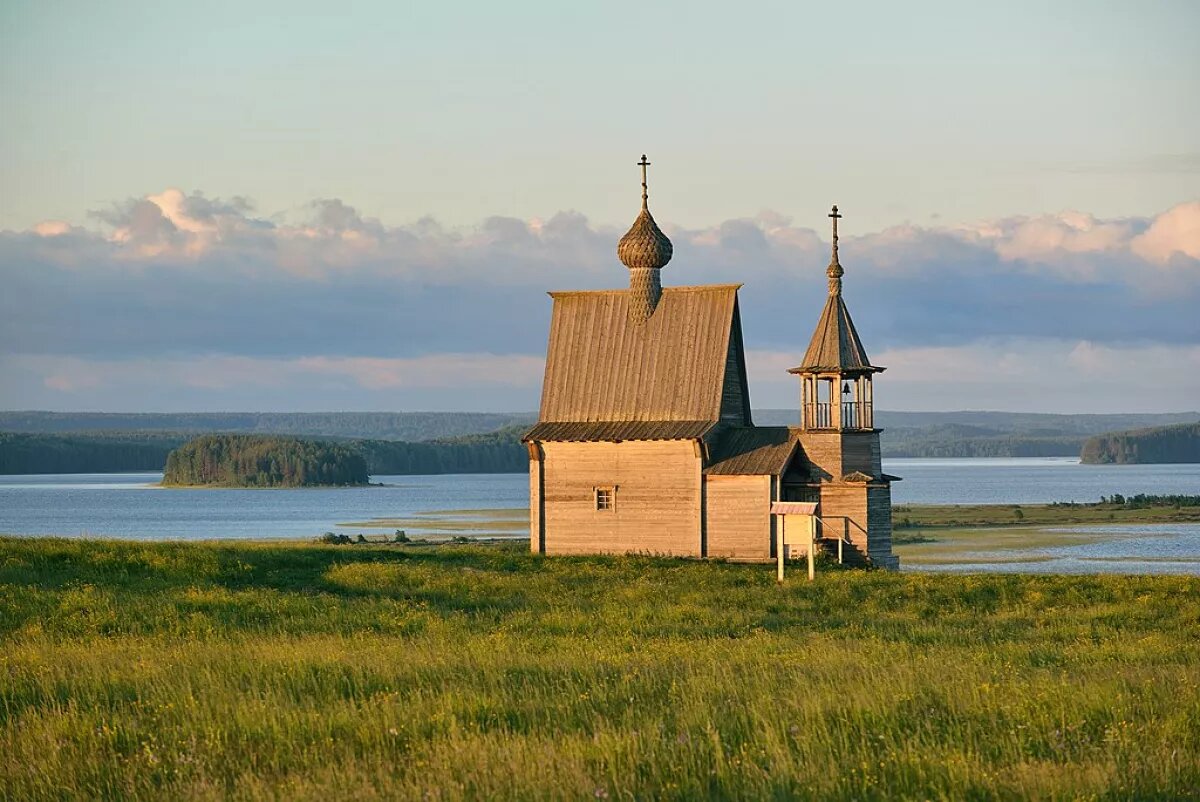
835,376
837,427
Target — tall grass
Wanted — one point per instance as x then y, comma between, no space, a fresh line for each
200,671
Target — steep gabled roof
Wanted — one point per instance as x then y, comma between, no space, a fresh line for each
835,346
752,450
603,367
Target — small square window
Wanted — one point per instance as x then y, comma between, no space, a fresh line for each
605,498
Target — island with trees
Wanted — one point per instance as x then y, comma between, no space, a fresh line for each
240,460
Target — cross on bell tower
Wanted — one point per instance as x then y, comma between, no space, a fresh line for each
835,271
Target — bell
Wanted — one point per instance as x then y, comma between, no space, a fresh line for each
845,388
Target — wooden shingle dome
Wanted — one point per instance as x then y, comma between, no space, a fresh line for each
645,250
644,246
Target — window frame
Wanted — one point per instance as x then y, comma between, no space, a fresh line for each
609,495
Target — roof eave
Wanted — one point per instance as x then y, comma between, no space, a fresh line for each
848,371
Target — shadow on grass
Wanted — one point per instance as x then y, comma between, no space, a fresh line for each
57,563
66,587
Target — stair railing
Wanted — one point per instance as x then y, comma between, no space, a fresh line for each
841,538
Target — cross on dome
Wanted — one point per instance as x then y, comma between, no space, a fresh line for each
644,164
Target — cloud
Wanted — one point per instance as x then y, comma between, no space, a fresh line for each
1172,238
1017,374
333,295
52,228
479,380
71,374
1013,374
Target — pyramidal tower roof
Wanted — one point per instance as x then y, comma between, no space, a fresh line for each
835,346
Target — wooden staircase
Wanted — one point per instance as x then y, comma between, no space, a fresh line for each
851,555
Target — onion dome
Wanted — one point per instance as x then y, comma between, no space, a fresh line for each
644,250
644,246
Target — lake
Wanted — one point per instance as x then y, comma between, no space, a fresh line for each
131,506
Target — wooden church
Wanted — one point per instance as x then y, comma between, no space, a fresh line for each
645,442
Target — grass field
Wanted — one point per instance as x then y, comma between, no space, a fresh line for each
249,671
932,516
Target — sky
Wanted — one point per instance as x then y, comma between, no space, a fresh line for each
359,206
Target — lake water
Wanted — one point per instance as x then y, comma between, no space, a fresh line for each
1136,549
130,506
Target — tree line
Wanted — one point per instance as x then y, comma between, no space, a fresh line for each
111,452
1160,444
495,452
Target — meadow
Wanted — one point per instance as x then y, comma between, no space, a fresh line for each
301,671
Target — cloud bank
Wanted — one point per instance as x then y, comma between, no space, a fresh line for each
180,301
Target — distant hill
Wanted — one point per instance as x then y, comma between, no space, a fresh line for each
471,442
418,426
990,434
411,426
1179,443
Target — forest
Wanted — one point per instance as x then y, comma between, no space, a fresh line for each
242,460
495,452
98,452
1160,444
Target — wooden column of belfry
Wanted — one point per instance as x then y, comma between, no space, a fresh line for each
645,442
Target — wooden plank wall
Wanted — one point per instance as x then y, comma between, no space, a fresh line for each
823,450
536,477
657,499
860,452
739,517
836,454
845,500
879,515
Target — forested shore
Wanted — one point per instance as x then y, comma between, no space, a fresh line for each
472,447
99,452
1160,444
497,452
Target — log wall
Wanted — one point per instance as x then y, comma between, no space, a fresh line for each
835,454
656,504
739,517
879,516
841,501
